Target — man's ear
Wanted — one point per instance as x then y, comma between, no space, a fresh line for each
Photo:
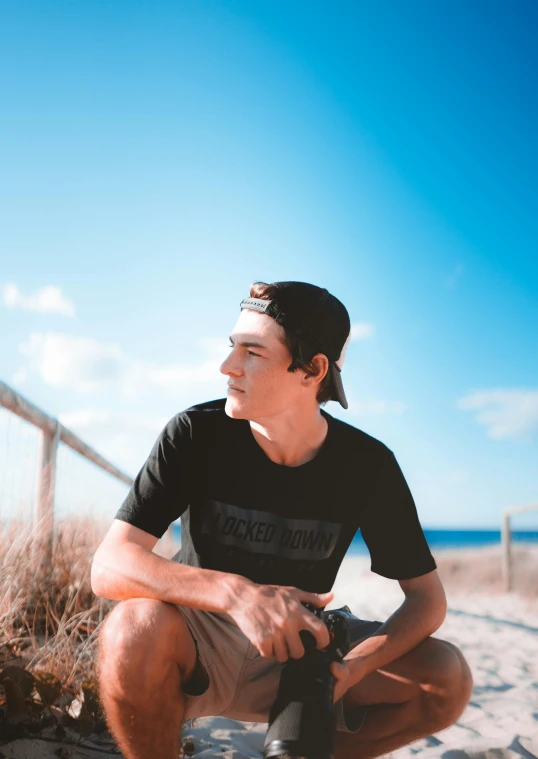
321,362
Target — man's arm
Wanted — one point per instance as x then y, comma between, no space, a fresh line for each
124,566
421,614
269,615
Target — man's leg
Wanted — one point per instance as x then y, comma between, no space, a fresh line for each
146,652
420,693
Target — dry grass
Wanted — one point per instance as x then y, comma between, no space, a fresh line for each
49,615
49,622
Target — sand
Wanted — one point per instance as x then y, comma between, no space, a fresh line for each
497,632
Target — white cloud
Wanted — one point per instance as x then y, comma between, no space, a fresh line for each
178,379
361,330
508,413
47,300
85,365
67,361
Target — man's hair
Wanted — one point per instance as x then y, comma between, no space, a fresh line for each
301,353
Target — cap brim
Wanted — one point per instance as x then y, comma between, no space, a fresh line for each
336,379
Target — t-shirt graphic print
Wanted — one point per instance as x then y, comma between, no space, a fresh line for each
269,533
243,513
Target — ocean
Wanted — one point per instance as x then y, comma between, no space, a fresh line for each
440,539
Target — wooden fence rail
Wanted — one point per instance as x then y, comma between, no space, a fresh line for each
52,434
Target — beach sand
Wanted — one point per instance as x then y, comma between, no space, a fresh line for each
497,632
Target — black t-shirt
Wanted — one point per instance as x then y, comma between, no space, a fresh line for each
245,514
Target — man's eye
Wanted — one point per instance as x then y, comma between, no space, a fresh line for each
250,352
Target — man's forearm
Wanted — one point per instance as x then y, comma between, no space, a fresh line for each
135,572
411,623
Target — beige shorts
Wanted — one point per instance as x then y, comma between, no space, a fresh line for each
233,680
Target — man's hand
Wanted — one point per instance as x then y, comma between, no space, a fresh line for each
271,617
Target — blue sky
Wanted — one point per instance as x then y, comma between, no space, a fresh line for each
159,157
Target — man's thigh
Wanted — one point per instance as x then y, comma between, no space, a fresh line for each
223,656
429,664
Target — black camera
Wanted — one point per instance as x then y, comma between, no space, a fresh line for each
302,720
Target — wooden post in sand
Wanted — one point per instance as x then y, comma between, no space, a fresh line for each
507,542
507,553
46,484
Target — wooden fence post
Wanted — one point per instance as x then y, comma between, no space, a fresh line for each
507,553
508,558
46,483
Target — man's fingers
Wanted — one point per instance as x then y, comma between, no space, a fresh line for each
316,599
280,649
320,632
265,648
295,645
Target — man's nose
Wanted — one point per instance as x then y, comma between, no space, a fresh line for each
230,365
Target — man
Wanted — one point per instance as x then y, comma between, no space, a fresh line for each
271,490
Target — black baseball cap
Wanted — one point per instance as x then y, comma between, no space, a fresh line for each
314,316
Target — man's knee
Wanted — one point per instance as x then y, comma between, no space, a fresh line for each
448,684
139,632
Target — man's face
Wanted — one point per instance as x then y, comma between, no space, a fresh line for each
260,371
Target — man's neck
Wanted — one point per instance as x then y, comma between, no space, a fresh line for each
288,442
